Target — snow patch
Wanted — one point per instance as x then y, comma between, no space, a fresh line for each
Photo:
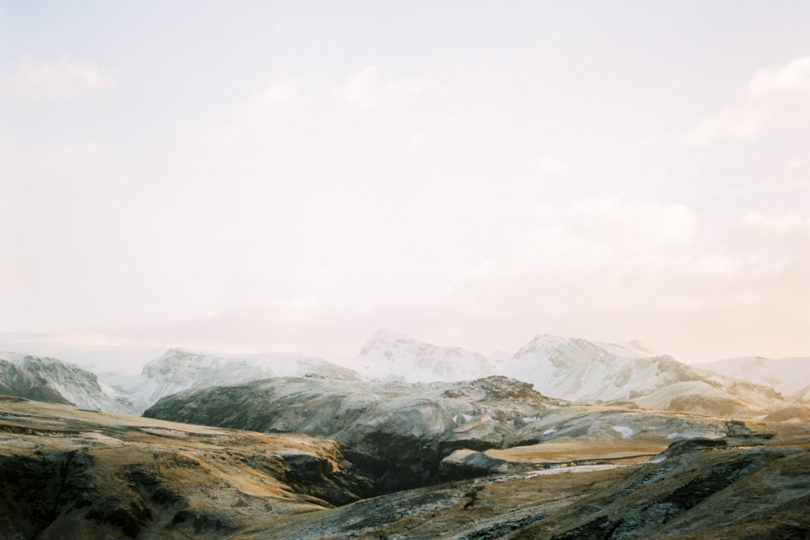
625,431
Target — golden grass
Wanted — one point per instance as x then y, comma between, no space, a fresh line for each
563,451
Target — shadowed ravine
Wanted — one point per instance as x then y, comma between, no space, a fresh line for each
401,435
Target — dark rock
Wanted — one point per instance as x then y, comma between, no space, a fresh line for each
689,445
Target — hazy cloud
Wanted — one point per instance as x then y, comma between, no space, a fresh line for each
551,165
796,172
787,224
778,98
52,159
299,178
274,94
369,89
617,221
36,80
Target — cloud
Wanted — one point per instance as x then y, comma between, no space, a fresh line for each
796,173
774,99
788,224
553,166
637,223
368,89
54,160
308,115
97,350
275,94
37,80
584,245
261,108
615,269
766,245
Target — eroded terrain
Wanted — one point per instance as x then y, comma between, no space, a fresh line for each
401,435
71,473
484,459
752,487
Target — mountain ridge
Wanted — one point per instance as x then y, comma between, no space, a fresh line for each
178,370
52,380
574,369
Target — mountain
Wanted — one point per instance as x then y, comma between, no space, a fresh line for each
177,370
392,357
580,370
789,376
575,370
398,434
51,380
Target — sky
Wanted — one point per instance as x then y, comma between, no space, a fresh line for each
293,176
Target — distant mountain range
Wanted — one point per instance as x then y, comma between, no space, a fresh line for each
576,370
571,369
789,376
177,370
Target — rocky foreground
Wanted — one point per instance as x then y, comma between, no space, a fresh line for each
720,490
71,473
489,458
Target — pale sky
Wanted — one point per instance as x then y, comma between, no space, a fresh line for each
259,177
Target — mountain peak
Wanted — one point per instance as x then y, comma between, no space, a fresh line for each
548,338
393,356
385,334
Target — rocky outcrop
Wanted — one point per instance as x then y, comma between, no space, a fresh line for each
464,464
71,473
689,445
720,493
399,433
396,433
601,423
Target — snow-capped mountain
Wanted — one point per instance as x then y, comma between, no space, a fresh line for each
789,376
580,370
390,356
573,369
177,370
49,379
